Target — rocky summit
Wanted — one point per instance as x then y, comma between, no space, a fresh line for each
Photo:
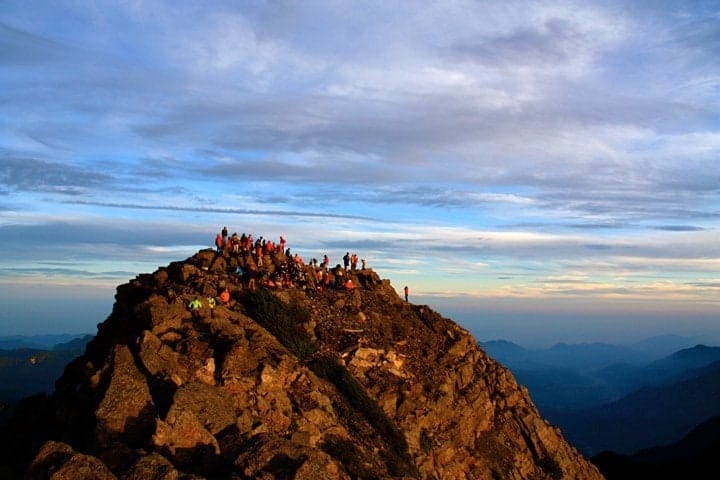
288,381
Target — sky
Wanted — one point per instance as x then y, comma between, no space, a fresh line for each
535,170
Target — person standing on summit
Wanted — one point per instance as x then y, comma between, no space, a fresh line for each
346,260
407,292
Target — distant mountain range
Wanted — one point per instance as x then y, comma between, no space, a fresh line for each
25,371
648,417
692,457
606,397
575,377
38,342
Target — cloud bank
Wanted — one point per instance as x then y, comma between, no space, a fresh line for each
497,149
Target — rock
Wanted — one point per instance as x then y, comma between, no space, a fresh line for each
58,461
184,438
280,458
306,384
152,467
126,412
159,358
213,407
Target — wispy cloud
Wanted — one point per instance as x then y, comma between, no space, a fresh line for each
501,147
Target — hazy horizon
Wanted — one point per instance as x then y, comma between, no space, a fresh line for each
543,169
78,309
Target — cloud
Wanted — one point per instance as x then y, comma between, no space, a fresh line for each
550,44
679,228
23,49
229,211
514,141
64,273
35,175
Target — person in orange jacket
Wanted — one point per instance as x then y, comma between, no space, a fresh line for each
225,296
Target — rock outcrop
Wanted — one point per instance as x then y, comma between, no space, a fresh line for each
299,382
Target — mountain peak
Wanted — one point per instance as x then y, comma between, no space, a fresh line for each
293,376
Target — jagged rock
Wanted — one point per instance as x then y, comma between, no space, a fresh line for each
126,411
213,407
152,467
303,383
58,461
271,457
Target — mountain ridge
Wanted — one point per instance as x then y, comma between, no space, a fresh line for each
305,381
648,417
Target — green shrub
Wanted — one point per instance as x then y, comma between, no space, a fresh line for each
398,458
550,466
349,455
283,320
425,442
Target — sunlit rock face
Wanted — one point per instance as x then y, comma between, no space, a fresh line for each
300,380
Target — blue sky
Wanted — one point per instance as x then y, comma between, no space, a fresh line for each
534,170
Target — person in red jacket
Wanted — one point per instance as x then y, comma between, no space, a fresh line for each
219,242
225,297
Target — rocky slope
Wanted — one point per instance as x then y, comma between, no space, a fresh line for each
283,383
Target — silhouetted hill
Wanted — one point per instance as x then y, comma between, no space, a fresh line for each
581,357
554,388
689,358
700,442
74,345
278,383
559,383
623,379
27,371
663,345
562,377
693,457
649,417
37,342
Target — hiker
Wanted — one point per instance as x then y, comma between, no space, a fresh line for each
224,235
235,242
346,260
326,262
363,263
219,242
251,274
407,292
353,261
225,296
195,305
349,284
320,279
281,245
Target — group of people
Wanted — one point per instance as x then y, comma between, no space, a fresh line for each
196,303
245,244
262,262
